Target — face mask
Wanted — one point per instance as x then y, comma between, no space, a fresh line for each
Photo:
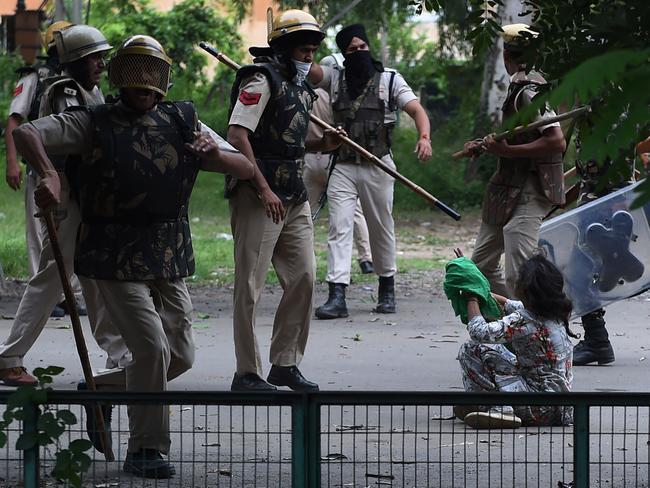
302,69
359,68
359,64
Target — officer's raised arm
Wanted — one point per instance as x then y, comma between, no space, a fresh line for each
219,156
29,143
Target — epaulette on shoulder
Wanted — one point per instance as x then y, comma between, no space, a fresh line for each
67,85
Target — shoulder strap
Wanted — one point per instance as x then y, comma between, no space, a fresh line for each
180,113
391,84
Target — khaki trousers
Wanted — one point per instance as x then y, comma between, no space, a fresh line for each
287,245
35,232
44,291
154,318
517,239
315,175
373,188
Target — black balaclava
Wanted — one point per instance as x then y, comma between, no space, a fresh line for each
359,65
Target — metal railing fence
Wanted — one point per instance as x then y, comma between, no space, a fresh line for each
350,439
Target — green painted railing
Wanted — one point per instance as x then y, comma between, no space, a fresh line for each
306,417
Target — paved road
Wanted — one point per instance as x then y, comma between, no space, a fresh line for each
414,349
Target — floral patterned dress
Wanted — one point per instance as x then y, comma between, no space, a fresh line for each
520,353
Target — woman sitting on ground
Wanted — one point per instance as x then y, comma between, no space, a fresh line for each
527,350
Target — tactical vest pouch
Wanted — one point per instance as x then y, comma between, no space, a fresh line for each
363,119
551,178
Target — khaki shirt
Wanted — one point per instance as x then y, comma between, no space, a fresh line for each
56,98
254,95
73,132
398,97
323,110
24,95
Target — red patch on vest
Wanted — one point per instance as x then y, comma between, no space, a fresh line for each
249,98
18,90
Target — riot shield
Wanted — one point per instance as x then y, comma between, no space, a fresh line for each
602,249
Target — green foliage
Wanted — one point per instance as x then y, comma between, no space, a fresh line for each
592,51
8,65
30,402
180,30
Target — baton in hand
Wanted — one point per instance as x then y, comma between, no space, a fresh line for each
78,333
346,140
464,153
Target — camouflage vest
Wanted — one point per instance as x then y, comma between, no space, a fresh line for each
134,193
279,139
505,186
363,119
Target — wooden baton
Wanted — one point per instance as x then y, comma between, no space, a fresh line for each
78,332
463,153
346,140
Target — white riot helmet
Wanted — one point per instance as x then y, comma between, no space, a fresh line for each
79,41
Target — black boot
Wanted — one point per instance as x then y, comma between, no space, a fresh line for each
366,267
334,307
386,300
596,346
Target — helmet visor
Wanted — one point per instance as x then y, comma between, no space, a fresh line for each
139,71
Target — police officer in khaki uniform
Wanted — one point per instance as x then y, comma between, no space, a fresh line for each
270,216
81,49
365,98
528,180
596,180
139,160
316,174
24,107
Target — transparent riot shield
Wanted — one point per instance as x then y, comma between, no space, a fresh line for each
602,249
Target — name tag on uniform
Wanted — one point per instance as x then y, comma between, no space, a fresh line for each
70,91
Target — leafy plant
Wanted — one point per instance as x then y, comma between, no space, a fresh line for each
592,51
29,402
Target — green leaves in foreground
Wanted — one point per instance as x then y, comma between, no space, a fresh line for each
29,403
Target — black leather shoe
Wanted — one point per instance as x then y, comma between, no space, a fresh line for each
250,382
58,311
292,377
81,310
386,295
91,421
148,463
335,306
366,267
586,353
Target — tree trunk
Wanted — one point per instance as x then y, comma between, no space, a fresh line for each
495,77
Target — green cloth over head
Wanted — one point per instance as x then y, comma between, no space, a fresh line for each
462,275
